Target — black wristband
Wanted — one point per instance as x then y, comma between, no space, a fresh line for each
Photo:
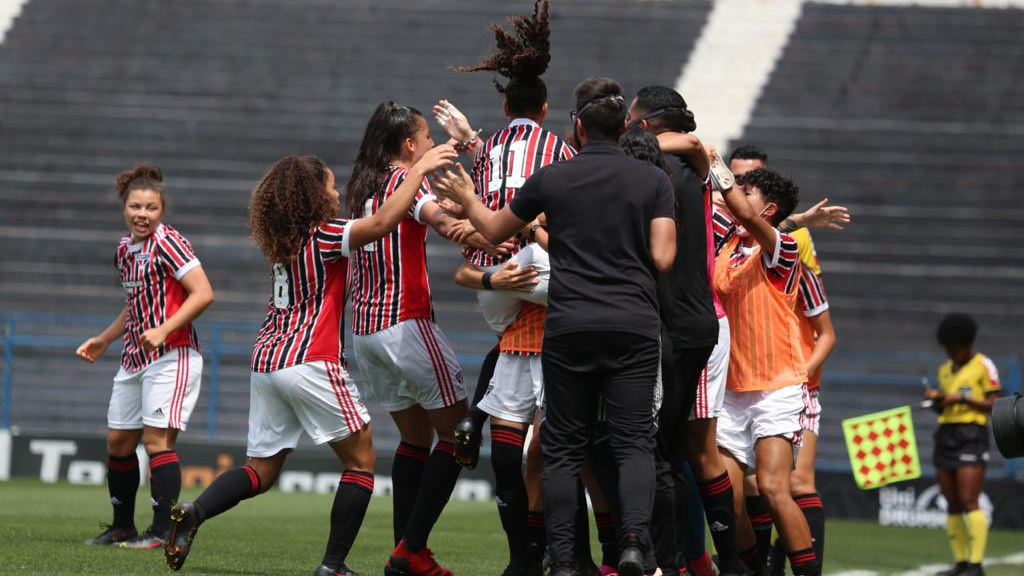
486,281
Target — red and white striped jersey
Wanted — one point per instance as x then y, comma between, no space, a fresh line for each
306,310
150,272
389,277
504,163
781,266
813,300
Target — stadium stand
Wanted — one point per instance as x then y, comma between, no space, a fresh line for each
908,116
213,93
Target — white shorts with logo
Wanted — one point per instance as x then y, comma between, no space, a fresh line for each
316,397
749,416
516,390
409,363
161,395
810,418
711,388
500,307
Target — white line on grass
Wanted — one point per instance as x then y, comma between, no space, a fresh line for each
931,569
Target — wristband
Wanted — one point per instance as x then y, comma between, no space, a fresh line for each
788,225
533,231
486,281
469,143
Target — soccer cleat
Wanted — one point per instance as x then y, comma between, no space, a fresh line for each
467,443
112,535
972,570
954,570
405,562
184,523
631,562
325,570
147,540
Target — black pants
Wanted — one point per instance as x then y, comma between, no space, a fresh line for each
578,369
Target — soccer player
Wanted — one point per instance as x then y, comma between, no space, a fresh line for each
299,381
968,385
612,229
407,364
757,275
157,386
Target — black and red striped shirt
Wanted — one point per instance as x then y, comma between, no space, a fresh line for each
389,277
504,163
305,314
150,272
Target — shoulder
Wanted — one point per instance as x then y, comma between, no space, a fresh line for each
988,365
945,369
166,235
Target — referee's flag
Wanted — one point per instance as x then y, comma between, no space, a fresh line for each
882,447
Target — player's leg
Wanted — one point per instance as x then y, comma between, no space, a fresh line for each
170,389
416,436
695,552
468,432
735,441
805,493
124,432
746,540
760,520
350,500
968,484
956,527
774,463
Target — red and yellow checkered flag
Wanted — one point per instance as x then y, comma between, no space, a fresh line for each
882,447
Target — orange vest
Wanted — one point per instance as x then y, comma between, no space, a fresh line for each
526,334
765,349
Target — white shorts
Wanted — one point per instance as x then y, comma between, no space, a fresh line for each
516,390
711,388
749,416
317,397
409,363
810,418
500,307
161,395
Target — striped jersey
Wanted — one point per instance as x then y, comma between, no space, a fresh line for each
504,163
781,266
389,277
305,313
150,272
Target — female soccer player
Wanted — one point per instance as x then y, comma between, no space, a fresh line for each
968,384
409,367
298,381
157,386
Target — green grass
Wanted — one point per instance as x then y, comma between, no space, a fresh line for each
42,528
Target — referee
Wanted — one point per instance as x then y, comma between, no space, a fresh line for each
611,224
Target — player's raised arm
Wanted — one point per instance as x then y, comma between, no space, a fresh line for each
389,215
496,227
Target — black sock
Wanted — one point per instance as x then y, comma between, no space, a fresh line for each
537,536
406,475
123,484
813,510
347,513
761,520
607,537
804,562
716,495
439,477
226,491
165,487
750,557
510,489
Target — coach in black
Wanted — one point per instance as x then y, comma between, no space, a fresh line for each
611,230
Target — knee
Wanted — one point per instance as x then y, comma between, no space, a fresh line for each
158,440
773,488
266,472
121,442
801,483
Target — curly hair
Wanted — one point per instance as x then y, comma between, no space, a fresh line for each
288,203
957,330
522,56
775,188
642,145
143,176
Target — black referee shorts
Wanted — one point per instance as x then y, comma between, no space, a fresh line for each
959,445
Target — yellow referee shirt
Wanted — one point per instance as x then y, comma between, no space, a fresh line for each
973,380
805,245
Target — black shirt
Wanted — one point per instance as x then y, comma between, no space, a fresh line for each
599,207
684,292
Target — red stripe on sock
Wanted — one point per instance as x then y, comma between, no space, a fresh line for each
803,558
414,452
761,519
535,520
446,447
163,460
123,465
512,438
254,478
810,503
360,479
714,487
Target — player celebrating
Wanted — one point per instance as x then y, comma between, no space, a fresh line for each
968,384
157,385
408,366
299,382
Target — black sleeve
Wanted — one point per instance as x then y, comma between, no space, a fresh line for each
664,200
528,203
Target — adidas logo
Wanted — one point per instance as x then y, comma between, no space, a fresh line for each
718,527
501,503
158,412
153,502
115,501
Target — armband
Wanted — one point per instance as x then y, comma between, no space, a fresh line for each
486,281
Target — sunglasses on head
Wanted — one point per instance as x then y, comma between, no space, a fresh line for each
574,114
656,112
